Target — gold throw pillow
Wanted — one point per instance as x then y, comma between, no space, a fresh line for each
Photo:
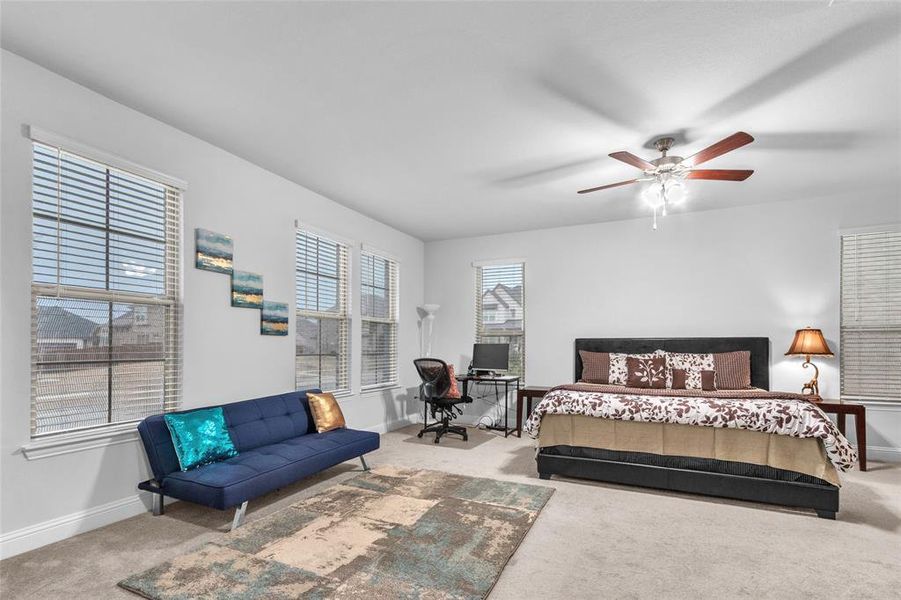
326,413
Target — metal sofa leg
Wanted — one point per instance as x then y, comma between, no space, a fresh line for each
158,507
239,515
365,466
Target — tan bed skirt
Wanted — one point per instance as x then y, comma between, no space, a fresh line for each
802,455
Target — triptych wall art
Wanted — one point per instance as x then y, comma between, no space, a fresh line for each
215,252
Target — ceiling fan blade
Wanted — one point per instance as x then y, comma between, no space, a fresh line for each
631,159
604,187
719,174
736,140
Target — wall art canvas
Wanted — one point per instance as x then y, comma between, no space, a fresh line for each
247,290
274,318
215,251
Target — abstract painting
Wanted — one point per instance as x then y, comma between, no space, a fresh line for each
247,290
214,251
274,318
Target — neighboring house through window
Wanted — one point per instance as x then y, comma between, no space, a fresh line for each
500,302
106,318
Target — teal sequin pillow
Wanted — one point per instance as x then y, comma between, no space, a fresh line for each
200,437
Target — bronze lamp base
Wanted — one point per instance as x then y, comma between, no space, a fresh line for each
811,387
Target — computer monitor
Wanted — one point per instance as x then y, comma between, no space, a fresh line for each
490,357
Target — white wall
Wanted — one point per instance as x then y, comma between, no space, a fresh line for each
762,270
225,357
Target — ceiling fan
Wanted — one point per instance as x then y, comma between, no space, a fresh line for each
667,172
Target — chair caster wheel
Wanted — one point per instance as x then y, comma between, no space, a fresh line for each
465,438
437,440
419,435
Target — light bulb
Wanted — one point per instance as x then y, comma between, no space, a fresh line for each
653,196
675,193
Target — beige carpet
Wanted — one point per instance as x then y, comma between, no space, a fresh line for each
591,541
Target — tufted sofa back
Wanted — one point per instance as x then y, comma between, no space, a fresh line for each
251,424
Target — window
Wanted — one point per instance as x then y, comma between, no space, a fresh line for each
871,316
500,310
323,316
378,300
106,331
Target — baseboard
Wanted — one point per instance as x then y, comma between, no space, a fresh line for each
884,453
392,425
60,528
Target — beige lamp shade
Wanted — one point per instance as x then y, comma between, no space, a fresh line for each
809,342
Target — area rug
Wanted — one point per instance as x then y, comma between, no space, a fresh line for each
386,533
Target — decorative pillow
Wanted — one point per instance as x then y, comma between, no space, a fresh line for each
706,377
595,366
678,379
619,372
326,413
200,437
454,391
708,380
733,370
693,364
646,372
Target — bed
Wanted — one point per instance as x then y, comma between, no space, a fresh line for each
774,448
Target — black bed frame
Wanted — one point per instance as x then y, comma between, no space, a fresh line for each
822,498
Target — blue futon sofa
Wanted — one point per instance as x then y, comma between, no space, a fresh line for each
277,445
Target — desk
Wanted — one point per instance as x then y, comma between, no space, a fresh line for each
841,409
507,380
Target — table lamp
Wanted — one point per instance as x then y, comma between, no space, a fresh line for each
810,342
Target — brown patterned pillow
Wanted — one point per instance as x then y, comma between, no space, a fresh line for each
707,378
692,363
646,372
595,366
733,370
618,373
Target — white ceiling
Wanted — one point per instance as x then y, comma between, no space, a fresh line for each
458,119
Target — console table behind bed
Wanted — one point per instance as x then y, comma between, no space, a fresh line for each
821,497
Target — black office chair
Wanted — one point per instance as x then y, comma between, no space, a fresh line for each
433,391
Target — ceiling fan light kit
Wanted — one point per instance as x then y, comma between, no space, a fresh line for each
667,172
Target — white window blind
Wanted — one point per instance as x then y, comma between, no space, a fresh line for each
106,318
871,316
323,315
378,301
500,310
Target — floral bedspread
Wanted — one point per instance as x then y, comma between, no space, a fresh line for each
772,413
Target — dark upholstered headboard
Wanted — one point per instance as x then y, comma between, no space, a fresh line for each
759,347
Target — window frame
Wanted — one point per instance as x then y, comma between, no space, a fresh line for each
343,317
169,297
392,276
483,336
